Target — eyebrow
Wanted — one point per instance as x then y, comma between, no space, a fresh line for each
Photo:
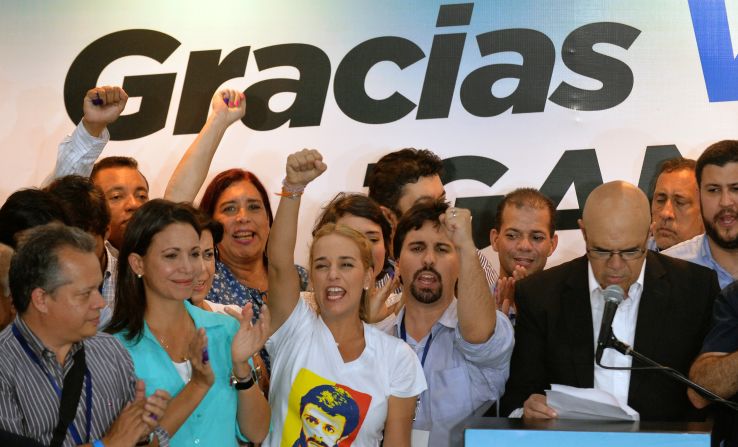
617,249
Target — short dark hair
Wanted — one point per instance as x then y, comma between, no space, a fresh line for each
83,202
671,165
527,197
130,296
116,161
395,170
718,154
36,260
425,210
334,400
27,208
213,226
358,205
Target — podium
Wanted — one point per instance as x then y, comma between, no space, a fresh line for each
479,430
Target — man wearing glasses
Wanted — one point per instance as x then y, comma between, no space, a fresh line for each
665,315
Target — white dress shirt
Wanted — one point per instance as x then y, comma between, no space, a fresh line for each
616,383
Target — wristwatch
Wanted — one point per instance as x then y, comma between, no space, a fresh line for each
244,383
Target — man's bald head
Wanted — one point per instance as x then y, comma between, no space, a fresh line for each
616,218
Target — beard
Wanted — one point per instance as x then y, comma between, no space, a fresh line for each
712,233
426,295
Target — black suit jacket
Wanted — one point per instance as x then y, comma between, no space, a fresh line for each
554,340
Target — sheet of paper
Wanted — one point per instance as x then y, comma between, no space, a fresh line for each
588,403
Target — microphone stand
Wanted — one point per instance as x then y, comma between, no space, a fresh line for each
625,349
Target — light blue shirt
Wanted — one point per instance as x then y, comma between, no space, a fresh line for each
461,376
697,250
213,423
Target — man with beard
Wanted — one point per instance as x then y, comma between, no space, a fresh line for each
675,208
449,318
717,248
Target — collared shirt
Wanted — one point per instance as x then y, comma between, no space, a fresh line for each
213,422
107,288
651,244
461,376
697,250
616,383
29,406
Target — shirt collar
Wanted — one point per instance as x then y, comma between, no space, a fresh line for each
35,343
448,319
112,255
632,291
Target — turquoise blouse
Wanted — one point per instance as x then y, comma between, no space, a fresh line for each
213,423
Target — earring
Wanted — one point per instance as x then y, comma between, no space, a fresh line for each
139,276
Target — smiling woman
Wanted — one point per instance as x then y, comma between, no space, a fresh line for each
168,337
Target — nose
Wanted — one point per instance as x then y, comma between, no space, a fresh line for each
525,244
429,258
615,261
133,203
98,302
726,199
667,211
333,271
243,216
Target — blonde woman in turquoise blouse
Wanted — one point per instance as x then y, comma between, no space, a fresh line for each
214,399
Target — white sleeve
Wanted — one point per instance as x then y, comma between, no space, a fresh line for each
407,377
78,152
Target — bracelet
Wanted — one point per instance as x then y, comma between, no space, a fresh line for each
292,189
290,195
97,443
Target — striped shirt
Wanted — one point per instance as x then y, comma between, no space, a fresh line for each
29,406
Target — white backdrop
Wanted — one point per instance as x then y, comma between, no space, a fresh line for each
665,102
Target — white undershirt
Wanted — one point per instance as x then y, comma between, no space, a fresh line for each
184,369
616,383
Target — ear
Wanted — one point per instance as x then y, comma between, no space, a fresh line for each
390,216
493,235
39,299
580,222
554,243
137,263
368,279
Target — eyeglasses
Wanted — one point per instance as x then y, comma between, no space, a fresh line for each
625,255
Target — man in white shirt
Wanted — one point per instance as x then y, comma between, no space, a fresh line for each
560,310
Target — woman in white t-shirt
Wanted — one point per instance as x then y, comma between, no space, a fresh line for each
335,379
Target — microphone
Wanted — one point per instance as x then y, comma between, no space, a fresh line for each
613,295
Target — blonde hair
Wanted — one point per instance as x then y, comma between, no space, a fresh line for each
361,242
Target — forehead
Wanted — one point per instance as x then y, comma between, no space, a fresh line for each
713,174
333,246
79,268
176,235
359,223
238,191
525,218
429,234
206,238
119,177
682,181
429,186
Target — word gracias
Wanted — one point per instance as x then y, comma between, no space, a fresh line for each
206,72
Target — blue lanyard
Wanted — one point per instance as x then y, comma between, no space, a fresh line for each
403,335
88,388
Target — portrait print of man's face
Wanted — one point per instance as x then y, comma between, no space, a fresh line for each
323,413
